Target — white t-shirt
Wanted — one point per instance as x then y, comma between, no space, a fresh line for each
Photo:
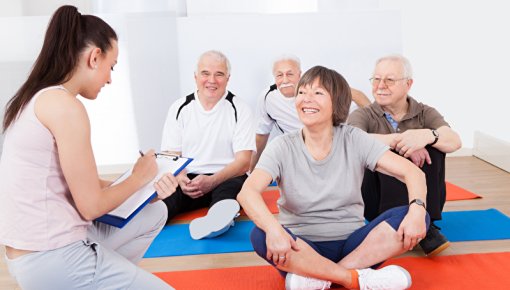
274,109
211,137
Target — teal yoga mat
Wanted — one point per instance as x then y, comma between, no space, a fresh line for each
475,225
175,240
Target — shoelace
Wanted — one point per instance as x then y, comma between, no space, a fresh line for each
311,282
372,281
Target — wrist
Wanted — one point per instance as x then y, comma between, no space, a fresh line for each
214,180
435,134
418,203
136,181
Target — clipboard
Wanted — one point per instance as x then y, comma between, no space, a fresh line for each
121,215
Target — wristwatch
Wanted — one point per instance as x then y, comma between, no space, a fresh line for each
436,136
418,202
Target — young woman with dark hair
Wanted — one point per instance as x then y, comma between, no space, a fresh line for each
50,189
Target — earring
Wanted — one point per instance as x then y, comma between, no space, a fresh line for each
95,66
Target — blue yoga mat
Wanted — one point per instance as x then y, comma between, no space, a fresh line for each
457,226
174,240
475,225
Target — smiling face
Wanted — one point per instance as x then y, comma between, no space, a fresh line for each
101,65
286,76
211,77
314,105
393,86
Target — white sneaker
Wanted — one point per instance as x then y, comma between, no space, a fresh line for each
218,220
296,282
388,278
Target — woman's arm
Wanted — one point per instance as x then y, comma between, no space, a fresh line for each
278,241
65,116
251,200
413,227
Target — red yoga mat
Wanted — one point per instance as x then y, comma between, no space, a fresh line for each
270,197
472,271
454,192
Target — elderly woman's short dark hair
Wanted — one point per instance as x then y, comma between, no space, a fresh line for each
337,87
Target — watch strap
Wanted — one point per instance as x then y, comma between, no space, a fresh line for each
436,136
418,202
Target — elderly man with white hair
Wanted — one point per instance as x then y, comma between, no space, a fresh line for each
413,130
216,129
276,107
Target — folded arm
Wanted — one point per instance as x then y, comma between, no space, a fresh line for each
413,227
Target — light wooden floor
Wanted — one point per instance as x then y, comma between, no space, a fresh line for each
468,172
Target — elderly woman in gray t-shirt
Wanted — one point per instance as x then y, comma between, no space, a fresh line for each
320,236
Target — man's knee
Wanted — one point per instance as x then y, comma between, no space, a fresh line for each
435,153
396,215
229,189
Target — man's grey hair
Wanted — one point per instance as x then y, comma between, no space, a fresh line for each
406,65
217,55
287,57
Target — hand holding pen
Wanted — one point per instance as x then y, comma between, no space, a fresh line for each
167,184
145,168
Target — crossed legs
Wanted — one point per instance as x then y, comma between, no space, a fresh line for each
369,246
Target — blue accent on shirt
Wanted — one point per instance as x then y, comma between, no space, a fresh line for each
392,121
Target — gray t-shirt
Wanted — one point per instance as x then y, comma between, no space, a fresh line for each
321,200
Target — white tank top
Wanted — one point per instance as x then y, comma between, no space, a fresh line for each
37,212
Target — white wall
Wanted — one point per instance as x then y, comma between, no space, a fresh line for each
460,53
458,50
158,57
129,114
252,42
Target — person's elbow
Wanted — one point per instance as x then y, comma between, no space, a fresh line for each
245,167
89,215
454,144
413,172
457,144
242,195
453,147
89,212
244,160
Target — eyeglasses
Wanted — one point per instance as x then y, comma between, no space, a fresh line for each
388,82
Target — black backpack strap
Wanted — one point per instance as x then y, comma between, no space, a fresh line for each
189,98
230,98
271,88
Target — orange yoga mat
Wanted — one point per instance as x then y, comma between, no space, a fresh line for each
241,278
454,192
473,271
270,197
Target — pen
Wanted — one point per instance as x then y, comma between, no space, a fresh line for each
141,153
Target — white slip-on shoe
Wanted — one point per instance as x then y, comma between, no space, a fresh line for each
296,282
218,220
388,278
